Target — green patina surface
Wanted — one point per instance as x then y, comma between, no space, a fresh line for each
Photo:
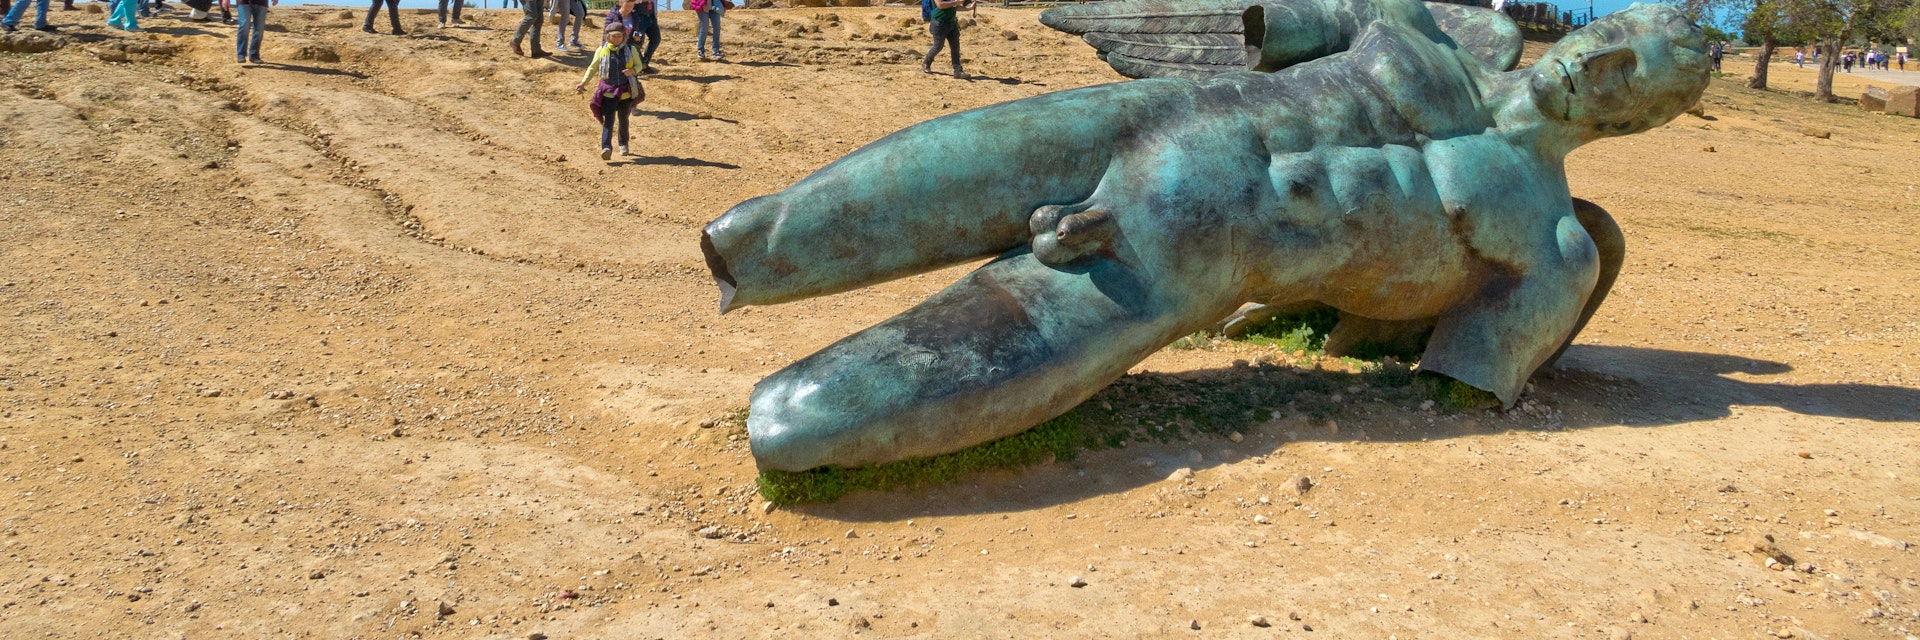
1370,164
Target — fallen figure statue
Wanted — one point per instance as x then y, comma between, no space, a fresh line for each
1363,157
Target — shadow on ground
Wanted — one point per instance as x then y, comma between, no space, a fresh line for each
1594,386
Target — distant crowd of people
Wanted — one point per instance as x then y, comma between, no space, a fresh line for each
625,52
1869,59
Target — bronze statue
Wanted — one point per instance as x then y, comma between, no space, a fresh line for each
1370,160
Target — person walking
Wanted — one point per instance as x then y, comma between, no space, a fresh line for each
563,13
253,28
1800,59
642,22
456,12
393,16
124,15
615,65
1846,63
19,10
1903,62
944,23
709,13
533,12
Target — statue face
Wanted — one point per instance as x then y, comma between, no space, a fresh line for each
1624,73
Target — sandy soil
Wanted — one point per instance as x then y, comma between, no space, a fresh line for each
368,343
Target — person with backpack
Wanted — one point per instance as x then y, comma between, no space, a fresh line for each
615,66
709,13
943,21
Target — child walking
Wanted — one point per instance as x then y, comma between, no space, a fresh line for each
615,65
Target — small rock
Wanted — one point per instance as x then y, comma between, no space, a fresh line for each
1261,520
1193,624
1077,582
209,393
535,635
710,533
1807,455
316,575
851,535
1181,474
444,610
833,602
1816,132
766,507
861,623
348,15
1009,34
1236,437
1698,110
1259,621
1302,484
1617,633
1294,617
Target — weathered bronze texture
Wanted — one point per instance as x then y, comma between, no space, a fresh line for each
1370,162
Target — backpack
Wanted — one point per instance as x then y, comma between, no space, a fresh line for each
926,10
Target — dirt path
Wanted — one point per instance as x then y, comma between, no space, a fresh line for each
314,348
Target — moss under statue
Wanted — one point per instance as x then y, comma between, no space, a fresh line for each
1376,156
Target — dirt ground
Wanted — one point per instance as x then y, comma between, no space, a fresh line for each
367,342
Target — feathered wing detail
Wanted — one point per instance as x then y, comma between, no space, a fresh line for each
1201,38
1160,38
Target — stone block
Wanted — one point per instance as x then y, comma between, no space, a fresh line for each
1873,99
1904,101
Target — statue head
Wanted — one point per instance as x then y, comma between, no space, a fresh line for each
1628,72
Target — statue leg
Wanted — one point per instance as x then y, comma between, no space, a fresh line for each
1009,346
1612,246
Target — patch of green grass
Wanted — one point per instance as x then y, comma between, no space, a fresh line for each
1453,395
1200,340
1061,438
1294,332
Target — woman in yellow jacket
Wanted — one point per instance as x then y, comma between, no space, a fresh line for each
615,65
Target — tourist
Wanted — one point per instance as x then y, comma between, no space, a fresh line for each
646,22
253,27
563,13
944,23
579,11
1903,61
1846,63
456,12
614,66
393,16
124,15
1800,59
19,10
709,13
641,20
1715,51
533,12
